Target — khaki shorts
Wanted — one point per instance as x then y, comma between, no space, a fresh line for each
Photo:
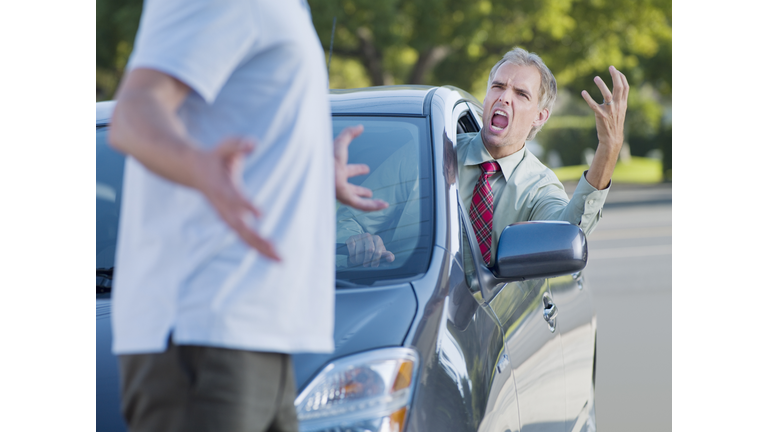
199,388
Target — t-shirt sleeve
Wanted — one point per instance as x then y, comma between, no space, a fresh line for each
197,42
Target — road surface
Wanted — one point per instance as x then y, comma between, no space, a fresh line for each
630,274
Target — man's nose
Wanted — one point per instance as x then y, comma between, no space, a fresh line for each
506,97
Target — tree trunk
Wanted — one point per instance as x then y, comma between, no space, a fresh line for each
427,61
372,58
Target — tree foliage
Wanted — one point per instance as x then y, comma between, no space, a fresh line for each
438,42
116,24
455,42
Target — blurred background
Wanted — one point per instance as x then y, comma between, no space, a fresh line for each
452,42
439,42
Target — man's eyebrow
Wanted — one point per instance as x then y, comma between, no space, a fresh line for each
498,83
519,89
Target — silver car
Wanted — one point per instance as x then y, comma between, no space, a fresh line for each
430,340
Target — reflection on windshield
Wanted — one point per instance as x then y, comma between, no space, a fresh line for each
397,151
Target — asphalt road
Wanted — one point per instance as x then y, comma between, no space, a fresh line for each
630,275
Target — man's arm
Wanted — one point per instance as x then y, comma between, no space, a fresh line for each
609,118
145,126
583,210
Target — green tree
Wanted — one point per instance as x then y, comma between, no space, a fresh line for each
116,24
396,41
437,42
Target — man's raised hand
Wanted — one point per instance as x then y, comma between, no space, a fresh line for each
352,195
609,119
609,116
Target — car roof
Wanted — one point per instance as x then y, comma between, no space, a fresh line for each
104,111
408,100
400,100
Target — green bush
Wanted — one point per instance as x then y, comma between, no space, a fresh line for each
569,143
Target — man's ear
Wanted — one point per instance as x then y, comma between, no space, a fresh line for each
542,118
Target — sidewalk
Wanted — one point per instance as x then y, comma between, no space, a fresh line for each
623,194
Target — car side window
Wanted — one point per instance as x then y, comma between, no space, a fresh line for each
466,124
478,114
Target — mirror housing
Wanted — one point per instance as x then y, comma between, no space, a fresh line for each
531,250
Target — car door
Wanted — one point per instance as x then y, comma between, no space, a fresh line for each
576,324
498,410
534,348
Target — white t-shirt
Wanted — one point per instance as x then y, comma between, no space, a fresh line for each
257,69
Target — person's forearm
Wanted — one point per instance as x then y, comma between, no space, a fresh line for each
603,165
144,125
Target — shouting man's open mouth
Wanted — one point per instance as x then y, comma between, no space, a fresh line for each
499,121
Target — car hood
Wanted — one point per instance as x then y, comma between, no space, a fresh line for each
366,318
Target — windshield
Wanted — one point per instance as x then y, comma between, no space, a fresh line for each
396,150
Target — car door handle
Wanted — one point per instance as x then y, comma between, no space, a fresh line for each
550,311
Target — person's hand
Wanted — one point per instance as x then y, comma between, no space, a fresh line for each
368,250
352,195
219,174
609,116
609,119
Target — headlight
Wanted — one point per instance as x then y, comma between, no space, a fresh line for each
367,392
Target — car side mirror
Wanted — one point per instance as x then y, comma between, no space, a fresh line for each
530,250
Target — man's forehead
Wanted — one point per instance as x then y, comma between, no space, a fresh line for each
527,76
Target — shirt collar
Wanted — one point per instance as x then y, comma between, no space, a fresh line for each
477,154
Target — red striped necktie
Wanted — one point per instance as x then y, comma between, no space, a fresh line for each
481,210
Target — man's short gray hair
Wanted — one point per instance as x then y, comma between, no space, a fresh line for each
548,87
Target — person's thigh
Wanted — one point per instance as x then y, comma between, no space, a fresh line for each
154,391
238,390
285,418
197,388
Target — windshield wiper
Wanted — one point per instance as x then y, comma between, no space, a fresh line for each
104,280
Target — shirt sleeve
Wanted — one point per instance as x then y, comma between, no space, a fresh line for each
197,42
583,210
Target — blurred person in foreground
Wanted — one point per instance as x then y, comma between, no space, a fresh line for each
211,295
500,181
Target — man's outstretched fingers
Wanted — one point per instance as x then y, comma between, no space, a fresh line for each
346,193
348,134
362,191
368,204
591,102
235,147
237,222
262,245
357,169
607,96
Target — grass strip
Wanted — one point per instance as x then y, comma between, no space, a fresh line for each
638,170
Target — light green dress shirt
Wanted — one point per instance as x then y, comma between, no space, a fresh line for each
525,190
